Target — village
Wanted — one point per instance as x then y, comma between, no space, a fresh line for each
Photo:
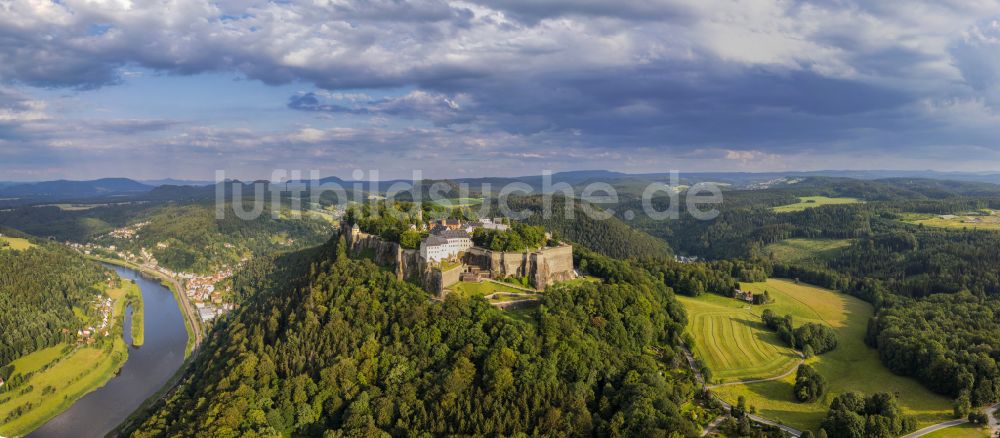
208,292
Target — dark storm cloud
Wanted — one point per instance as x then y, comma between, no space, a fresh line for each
527,78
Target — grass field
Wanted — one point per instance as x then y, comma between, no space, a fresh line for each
967,430
807,250
64,373
470,289
67,379
16,243
851,367
813,201
73,207
459,202
983,220
732,341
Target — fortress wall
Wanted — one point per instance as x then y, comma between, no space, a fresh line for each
543,267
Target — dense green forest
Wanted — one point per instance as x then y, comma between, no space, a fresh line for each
570,221
951,342
899,267
341,344
39,288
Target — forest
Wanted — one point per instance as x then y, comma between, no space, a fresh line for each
39,289
919,278
346,346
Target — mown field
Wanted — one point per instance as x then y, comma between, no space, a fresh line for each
731,339
813,201
807,250
851,367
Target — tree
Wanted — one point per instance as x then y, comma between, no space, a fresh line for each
809,384
853,415
962,406
820,337
740,409
979,418
807,351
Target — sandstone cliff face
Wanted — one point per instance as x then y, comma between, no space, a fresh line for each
405,263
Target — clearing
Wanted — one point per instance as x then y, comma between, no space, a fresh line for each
978,220
16,243
807,250
851,367
813,201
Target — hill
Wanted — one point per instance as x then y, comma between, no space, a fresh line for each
44,290
63,189
181,236
610,236
339,344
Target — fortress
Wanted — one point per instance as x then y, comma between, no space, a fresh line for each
542,267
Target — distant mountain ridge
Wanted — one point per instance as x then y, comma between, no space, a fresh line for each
63,189
75,190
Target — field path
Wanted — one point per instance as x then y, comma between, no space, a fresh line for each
801,361
755,418
989,411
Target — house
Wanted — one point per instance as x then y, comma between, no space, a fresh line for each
743,295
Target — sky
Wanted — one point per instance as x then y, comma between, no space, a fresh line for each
151,89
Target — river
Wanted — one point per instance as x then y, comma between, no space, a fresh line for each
147,369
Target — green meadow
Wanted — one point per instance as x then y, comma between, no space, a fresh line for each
807,250
851,367
61,375
471,289
58,376
967,430
15,243
813,201
988,220
730,338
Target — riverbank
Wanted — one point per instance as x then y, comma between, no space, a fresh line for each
56,377
192,323
130,296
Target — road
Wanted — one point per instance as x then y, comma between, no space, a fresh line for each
990,412
755,418
937,427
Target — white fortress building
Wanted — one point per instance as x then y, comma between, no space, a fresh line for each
444,244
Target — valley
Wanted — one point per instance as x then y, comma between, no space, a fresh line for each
852,366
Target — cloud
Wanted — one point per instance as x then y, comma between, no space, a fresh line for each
440,109
629,83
